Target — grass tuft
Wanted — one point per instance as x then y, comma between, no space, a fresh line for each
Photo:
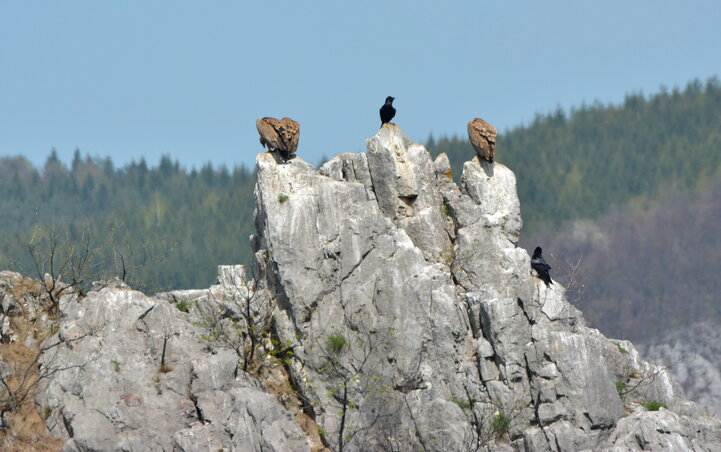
336,342
653,405
500,424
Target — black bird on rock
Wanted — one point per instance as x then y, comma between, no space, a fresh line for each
387,110
539,264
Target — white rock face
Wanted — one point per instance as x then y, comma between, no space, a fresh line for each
437,308
110,394
407,319
404,182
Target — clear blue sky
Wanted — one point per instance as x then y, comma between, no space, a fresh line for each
127,79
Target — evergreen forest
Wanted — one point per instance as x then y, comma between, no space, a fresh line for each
168,227
577,164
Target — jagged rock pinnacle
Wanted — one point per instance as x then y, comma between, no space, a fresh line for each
383,244
406,317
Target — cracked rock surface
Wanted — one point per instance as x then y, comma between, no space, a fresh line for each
693,356
385,245
406,318
110,392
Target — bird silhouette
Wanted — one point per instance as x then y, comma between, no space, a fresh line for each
387,110
539,264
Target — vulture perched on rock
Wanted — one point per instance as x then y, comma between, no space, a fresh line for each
483,138
279,135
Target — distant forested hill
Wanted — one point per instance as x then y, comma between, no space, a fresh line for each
641,272
170,226
167,226
625,200
577,165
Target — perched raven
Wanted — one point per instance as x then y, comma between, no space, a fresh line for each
387,110
539,264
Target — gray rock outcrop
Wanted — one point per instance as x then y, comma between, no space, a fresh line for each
110,391
405,318
693,356
384,245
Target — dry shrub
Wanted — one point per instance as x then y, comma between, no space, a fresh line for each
27,430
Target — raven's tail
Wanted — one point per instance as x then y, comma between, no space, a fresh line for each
547,279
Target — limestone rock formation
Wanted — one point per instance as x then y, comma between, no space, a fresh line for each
693,356
110,391
404,318
437,310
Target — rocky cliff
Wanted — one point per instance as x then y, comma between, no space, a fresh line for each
693,356
387,309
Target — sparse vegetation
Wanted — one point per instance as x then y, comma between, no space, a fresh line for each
500,424
445,209
168,334
282,198
67,258
491,421
61,264
239,318
352,380
25,365
183,306
621,350
634,383
282,351
653,405
448,255
464,404
336,342
620,387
